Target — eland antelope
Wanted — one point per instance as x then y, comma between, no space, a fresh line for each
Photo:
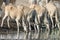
40,11
14,13
28,14
52,10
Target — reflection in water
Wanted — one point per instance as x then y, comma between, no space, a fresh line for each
42,35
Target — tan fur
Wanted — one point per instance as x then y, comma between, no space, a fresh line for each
40,10
27,11
52,9
12,12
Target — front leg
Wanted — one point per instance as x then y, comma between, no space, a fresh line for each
17,28
3,20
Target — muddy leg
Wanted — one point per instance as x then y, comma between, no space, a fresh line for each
24,25
17,28
57,21
3,20
38,23
28,19
8,22
52,22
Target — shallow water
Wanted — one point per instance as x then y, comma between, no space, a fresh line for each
42,35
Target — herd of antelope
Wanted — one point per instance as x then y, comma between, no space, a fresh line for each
34,12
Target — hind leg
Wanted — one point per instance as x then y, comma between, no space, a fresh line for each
52,22
28,19
8,22
57,21
23,24
47,21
